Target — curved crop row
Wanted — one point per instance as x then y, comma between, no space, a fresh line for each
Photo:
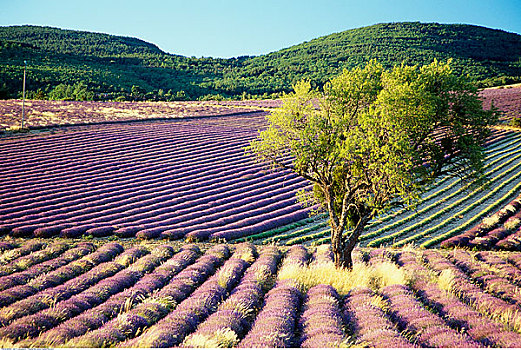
118,303
233,317
491,230
439,296
495,308
176,325
24,277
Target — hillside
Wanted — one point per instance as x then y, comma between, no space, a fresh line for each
111,65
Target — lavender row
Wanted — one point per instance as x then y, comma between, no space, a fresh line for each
275,325
161,185
159,153
134,135
223,212
204,224
27,248
369,323
184,207
128,324
172,329
454,311
323,255
148,166
32,325
36,270
471,294
100,215
233,318
240,219
180,286
502,267
60,275
262,223
6,246
24,262
94,318
29,228
147,169
296,255
134,131
490,239
429,329
76,231
491,230
511,242
321,323
515,259
47,298
490,281
162,301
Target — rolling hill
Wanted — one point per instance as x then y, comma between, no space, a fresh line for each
114,66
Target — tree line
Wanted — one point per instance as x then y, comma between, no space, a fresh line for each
111,66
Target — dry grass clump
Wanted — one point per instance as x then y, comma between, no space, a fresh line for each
375,276
222,338
446,281
512,224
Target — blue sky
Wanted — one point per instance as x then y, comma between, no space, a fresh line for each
230,28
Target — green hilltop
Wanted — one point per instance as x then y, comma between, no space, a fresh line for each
66,64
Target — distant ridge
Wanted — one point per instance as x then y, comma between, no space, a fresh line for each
112,65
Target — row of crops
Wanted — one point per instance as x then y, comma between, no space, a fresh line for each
186,179
79,294
449,208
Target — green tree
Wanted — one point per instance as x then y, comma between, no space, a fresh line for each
373,139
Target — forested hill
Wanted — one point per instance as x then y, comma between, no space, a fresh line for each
109,66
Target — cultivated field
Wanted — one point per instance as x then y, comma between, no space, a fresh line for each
71,275
87,295
43,114
191,179
179,179
507,99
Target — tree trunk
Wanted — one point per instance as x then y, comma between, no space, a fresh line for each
341,250
343,246
343,258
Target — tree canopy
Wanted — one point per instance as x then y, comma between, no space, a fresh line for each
373,138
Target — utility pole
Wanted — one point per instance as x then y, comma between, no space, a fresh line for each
23,96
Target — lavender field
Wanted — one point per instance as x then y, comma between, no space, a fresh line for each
85,294
189,179
139,234
506,98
